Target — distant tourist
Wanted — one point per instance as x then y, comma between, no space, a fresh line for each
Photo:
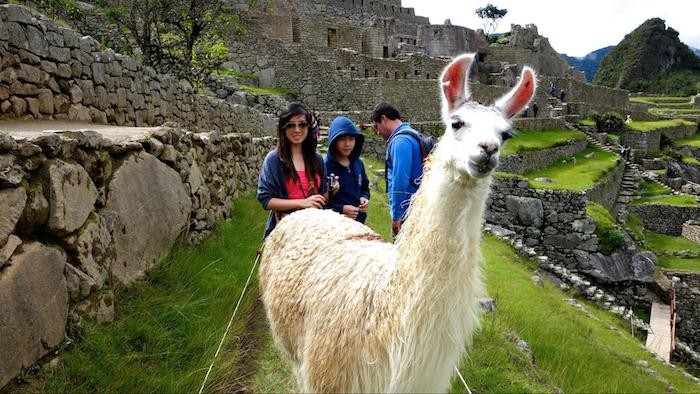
562,95
293,175
527,108
553,89
629,118
535,108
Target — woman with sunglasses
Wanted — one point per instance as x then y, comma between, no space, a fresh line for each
293,175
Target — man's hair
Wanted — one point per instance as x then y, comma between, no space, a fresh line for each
386,109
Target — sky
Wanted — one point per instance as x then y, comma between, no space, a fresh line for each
576,27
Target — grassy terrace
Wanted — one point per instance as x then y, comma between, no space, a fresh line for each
691,141
529,140
662,244
660,100
649,189
577,176
676,201
649,125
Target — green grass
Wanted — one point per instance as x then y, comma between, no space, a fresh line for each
575,176
264,91
378,217
229,72
648,189
611,237
690,160
587,122
529,140
691,141
660,100
571,351
676,201
168,328
662,244
649,125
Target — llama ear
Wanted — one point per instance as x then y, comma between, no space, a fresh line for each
453,82
515,100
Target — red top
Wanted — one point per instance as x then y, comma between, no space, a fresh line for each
297,191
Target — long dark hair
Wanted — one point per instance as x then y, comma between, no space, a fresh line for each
313,166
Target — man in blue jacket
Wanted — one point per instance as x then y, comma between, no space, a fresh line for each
343,160
404,161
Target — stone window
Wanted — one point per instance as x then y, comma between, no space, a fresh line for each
366,73
396,75
415,73
332,38
385,51
375,73
387,75
436,33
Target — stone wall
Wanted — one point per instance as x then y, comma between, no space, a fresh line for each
605,191
49,72
691,230
650,141
83,214
687,287
532,160
664,219
553,222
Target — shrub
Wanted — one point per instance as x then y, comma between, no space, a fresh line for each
611,239
609,122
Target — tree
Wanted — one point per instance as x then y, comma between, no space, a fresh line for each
490,15
181,37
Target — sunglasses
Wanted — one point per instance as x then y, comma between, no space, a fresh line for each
292,126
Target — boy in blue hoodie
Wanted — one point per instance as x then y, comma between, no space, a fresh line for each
343,159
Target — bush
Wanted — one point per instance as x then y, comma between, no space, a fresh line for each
611,239
609,122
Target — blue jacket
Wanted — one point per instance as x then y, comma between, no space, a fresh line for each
353,179
404,168
271,184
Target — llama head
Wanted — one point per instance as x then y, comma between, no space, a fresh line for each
475,133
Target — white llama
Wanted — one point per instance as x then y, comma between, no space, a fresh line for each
354,313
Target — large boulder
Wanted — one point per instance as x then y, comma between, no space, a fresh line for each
147,208
12,202
33,307
528,210
72,196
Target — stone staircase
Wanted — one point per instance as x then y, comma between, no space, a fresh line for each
631,178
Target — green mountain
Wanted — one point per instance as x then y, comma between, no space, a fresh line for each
651,59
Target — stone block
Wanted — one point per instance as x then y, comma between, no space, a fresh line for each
17,37
92,249
6,251
12,203
150,208
528,210
46,104
59,54
72,196
33,307
37,41
19,106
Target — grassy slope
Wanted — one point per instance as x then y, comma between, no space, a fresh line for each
692,141
660,243
649,125
678,201
528,140
167,330
575,176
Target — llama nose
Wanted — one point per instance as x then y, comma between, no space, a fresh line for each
489,147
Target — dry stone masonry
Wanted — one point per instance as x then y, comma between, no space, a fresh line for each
49,72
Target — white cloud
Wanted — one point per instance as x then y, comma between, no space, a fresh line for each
572,27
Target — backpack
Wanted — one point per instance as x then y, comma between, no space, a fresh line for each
427,143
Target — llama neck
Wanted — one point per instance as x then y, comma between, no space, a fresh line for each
443,229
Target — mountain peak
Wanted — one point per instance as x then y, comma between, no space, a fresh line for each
646,59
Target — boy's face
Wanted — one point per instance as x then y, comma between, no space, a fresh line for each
344,145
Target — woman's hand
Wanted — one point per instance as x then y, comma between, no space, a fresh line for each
363,204
313,201
351,211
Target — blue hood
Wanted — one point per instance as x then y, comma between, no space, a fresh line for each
343,126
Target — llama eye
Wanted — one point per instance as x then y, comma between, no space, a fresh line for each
505,135
457,124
